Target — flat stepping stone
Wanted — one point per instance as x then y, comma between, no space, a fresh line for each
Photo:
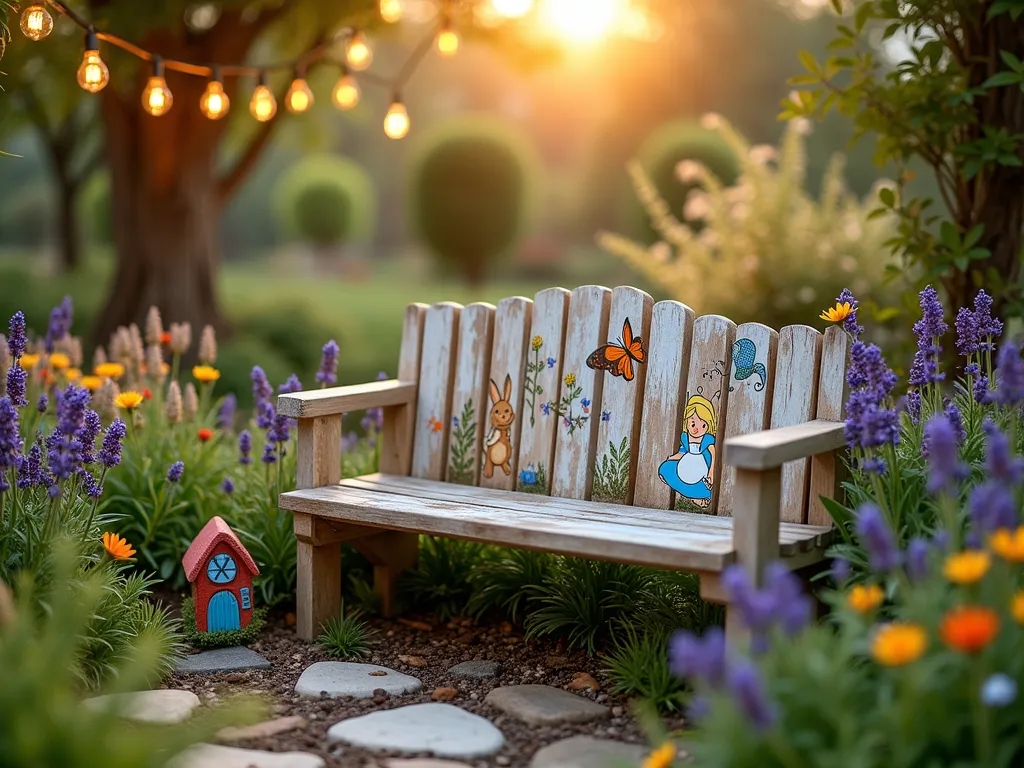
476,670
222,660
423,762
544,705
443,729
213,756
163,706
588,752
262,730
346,678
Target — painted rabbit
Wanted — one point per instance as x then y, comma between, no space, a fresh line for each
498,446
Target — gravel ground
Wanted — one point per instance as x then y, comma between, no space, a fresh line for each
441,647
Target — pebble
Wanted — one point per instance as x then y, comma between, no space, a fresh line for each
345,678
444,694
587,752
420,625
557,662
503,760
413,661
212,756
222,660
618,711
444,729
163,706
476,670
544,705
582,681
262,730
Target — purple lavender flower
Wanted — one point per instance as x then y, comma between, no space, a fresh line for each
268,456
699,658
912,403
373,420
1010,373
992,507
748,691
17,340
967,334
940,540
780,602
245,447
261,389
30,468
940,445
17,385
981,392
110,451
850,323
291,385
349,441
176,470
929,329
841,570
279,432
869,422
956,420
265,414
328,373
976,330
10,436
228,486
64,448
226,414
90,485
60,323
1002,466
42,403
382,376
918,552
87,435
53,491
878,539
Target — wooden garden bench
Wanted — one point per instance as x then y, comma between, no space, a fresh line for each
497,430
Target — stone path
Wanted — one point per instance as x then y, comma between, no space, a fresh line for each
212,756
444,729
222,660
262,730
342,678
476,670
163,706
544,705
588,752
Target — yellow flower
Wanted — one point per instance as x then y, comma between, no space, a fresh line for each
109,370
73,374
838,313
205,373
661,757
536,343
1017,607
1009,545
28,362
570,379
864,599
128,400
116,547
92,383
59,361
967,567
898,644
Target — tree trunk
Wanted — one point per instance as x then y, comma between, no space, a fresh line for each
70,241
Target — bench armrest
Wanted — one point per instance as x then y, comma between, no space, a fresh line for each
335,400
774,447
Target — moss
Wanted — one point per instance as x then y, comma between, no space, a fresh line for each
223,639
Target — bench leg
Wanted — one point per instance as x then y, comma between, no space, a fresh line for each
391,553
318,587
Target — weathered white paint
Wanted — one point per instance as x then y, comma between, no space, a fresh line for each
832,394
433,404
476,324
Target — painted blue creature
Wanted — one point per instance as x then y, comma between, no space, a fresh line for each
744,353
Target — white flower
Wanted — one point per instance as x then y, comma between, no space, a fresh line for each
762,154
802,126
697,205
689,171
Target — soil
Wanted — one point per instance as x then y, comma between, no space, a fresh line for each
441,646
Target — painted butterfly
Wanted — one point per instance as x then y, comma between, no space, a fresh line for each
618,359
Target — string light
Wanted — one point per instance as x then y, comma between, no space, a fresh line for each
93,74
391,10
346,91
396,122
299,98
357,52
263,105
512,9
36,22
214,103
447,42
157,98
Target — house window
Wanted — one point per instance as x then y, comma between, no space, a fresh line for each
222,569
245,598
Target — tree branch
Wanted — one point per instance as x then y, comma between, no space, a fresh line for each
36,113
229,182
90,166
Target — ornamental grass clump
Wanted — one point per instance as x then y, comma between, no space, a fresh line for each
918,662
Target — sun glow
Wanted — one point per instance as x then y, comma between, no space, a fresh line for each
582,21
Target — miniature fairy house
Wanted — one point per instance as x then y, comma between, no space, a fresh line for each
220,571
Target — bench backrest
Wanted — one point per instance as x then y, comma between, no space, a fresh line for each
581,431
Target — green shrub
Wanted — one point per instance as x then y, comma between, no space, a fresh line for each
441,582
638,666
226,638
505,582
347,637
326,200
470,192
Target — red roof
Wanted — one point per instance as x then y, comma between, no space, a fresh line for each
213,533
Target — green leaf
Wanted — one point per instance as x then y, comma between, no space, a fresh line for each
1011,61
949,236
864,12
1003,78
887,196
837,6
810,63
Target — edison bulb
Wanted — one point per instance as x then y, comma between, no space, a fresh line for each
36,22
512,9
396,122
263,105
391,10
299,97
214,103
156,96
447,42
346,92
93,74
358,53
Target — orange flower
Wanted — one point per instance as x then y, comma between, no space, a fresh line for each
864,599
969,628
73,374
838,313
109,370
128,400
59,361
147,393
28,362
661,757
967,567
205,434
899,643
1009,545
205,373
436,425
92,383
116,547
165,338
1017,607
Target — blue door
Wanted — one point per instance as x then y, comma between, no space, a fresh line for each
222,613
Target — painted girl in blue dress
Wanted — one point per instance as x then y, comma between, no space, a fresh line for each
690,472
